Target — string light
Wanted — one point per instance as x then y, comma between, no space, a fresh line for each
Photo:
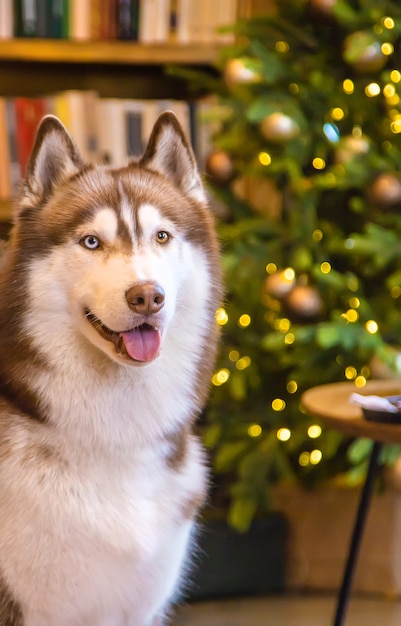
331,131
282,46
350,372
254,430
292,386
317,235
271,268
325,267
278,404
337,114
233,355
354,302
393,100
352,283
395,126
244,320
289,339
389,90
315,457
304,459
221,377
371,326
283,434
318,163
243,363
221,316
351,316
289,273
360,381
264,158
314,431
387,48
395,76
283,325
372,90
348,86
388,22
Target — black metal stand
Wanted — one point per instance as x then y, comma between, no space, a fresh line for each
366,496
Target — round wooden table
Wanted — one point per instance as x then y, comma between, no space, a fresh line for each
330,404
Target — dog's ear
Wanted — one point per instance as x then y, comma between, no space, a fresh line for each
54,158
169,153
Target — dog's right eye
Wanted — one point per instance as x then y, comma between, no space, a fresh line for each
91,242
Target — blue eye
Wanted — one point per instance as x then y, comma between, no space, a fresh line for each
91,242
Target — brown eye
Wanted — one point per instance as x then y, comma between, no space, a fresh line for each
162,236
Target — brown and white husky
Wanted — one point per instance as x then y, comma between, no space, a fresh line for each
108,292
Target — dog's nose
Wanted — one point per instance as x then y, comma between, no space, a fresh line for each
145,298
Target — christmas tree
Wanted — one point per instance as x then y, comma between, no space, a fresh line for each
307,163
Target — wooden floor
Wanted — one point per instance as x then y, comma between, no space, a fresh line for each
289,611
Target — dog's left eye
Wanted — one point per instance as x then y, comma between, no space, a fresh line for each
91,242
162,236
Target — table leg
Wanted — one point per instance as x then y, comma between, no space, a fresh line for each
360,520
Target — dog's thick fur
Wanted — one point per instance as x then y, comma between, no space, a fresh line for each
108,292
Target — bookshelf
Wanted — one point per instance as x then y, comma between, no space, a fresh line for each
123,69
32,67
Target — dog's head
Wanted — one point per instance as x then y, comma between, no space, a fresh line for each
119,257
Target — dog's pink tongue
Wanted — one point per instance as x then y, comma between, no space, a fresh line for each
142,344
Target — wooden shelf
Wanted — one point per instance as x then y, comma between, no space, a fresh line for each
35,67
6,209
108,52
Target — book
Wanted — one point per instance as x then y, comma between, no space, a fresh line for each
134,128
77,111
154,21
15,167
25,18
184,21
128,19
111,131
6,190
200,21
108,23
80,19
6,19
28,114
226,12
53,18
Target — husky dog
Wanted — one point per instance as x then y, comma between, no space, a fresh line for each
108,292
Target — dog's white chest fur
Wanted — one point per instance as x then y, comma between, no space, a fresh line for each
120,523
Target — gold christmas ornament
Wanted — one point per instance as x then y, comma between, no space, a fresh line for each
278,128
351,147
363,52
241,72
322,7
305,302
279,284
219,167
386,190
